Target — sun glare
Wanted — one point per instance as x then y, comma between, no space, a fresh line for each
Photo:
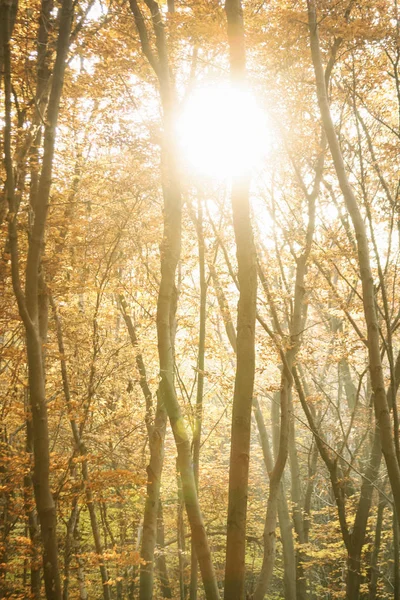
222,131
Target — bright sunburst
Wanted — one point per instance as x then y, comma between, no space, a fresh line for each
222,131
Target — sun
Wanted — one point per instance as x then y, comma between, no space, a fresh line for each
222,131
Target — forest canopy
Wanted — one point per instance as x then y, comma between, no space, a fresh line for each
200,306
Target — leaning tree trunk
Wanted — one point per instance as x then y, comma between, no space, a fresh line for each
373,337
245,342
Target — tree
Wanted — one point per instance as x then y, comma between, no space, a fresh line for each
375,363
31,308
245,340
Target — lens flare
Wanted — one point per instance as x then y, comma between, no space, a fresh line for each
222,131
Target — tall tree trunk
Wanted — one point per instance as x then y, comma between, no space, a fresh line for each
169,256
200,381
28,302
282,507
5,517
274,487
245,342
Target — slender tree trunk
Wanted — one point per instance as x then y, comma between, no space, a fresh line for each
274,487
44,499
298,517
396,561
43,75
375,552
285,523
83,593
5,517
33,527
133,571
95,530
161,562
69,547
180,529
200,382
245,342
154,470
170,253
282,507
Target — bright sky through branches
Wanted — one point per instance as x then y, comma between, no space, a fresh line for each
223,131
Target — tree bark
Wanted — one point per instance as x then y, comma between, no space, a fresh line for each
396,561
154,470
245,340
33,526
